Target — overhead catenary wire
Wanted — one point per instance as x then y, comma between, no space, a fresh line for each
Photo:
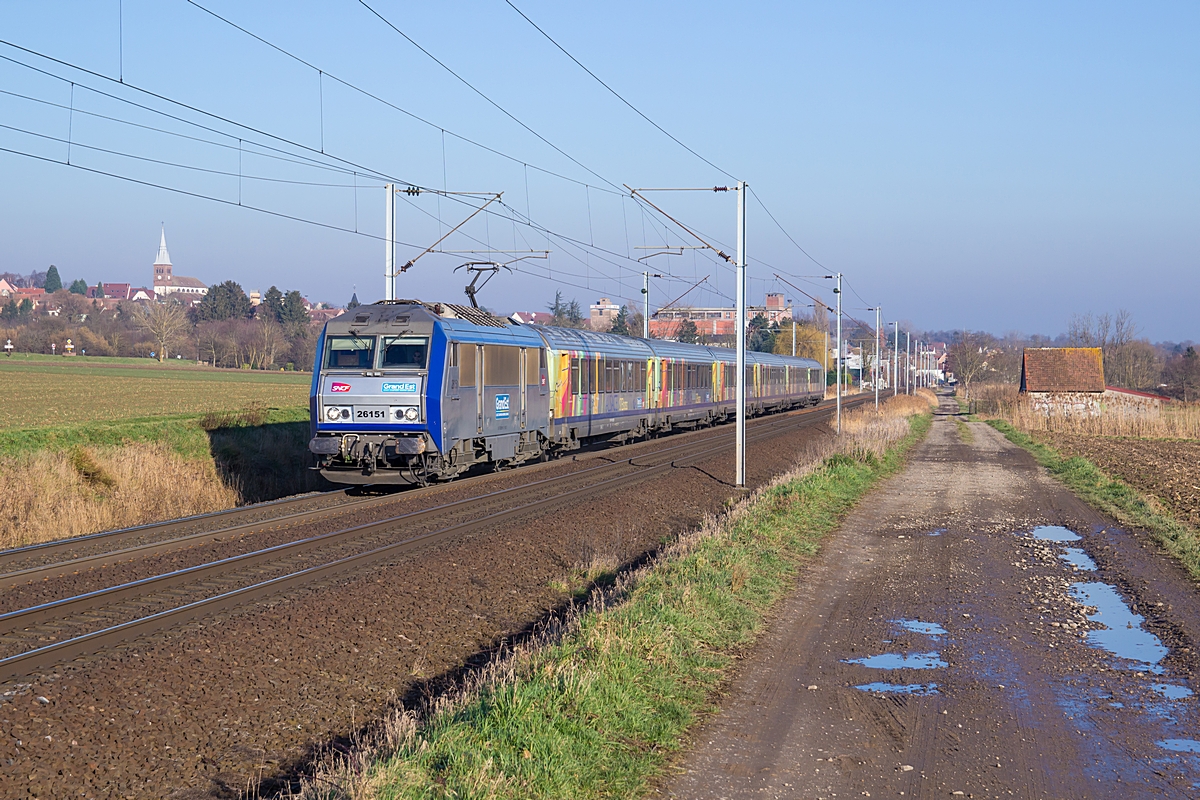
198,195
489,100
373,173
248,144
615,93
400,109
71,142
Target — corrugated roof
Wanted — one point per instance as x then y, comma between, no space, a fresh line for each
1062,369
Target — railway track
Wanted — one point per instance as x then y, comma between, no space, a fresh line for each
98,620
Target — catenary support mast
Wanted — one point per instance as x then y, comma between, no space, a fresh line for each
741,334
389,243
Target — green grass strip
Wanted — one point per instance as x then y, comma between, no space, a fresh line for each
181,432
1113,497
597,714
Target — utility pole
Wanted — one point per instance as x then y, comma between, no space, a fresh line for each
907,361
838,292
896,362
741,334
646,276
389,243
876,379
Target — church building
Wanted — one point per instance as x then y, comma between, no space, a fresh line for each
187,290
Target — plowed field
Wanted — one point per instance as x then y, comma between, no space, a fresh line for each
1168,469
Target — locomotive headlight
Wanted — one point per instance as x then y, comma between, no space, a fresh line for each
332,413
410,414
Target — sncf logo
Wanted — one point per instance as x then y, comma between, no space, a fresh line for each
339,387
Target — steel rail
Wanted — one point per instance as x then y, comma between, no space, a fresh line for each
49,655
58,545
33,615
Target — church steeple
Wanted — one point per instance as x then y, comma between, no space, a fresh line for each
164,258
162,264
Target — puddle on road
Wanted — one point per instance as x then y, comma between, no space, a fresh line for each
1077,558
1122,634
1171,691
920,689
916,626
1180,745
932,660
937,532
1055,533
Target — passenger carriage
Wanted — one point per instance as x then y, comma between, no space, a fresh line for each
408,392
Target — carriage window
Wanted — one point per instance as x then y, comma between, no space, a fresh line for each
501,365
466,365
404,351
452,354
350,352
575,385
585,376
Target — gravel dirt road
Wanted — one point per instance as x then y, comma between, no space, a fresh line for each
971,630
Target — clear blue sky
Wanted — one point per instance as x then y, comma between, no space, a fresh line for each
987,166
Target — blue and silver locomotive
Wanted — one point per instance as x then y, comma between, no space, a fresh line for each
408,392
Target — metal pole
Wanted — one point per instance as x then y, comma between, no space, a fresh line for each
645,305
896,362
740,456
877,310
838,292
907,361
389,243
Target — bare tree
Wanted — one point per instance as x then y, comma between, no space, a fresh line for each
1134,365
165,322
970,353
1115,336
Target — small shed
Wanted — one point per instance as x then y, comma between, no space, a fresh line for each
1069,381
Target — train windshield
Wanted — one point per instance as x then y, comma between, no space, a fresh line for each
350,352
404,352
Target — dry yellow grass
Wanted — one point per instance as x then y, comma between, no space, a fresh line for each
54,496
1175,421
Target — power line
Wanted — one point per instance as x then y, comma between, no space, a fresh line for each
181,104
785,233
366,170
303,162
307,161
198,195
182,166
492,102
390,104
614,92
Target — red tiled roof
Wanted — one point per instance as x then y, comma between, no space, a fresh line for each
1062,369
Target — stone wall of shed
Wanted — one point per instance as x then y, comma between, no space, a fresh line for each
1091,404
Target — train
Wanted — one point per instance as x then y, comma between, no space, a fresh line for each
408,392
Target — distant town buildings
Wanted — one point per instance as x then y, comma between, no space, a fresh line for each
717,321
602,313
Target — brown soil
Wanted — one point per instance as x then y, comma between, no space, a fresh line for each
209,710
1168,469
1025,705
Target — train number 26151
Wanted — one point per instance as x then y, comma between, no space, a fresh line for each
370,413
